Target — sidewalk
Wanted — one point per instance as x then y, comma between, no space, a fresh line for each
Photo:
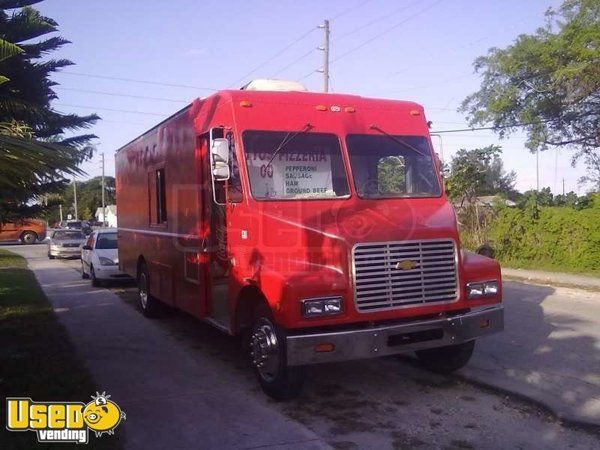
552,278
173,397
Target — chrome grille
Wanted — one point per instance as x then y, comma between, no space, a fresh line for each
379,284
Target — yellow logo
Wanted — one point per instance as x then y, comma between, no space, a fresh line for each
64,421
406,264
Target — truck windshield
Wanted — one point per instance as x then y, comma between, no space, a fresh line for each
392,166
310,166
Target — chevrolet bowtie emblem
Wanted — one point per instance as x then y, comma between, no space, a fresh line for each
406,264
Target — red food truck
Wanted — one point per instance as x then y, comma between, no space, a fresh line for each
313,225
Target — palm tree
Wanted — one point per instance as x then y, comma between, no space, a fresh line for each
35,155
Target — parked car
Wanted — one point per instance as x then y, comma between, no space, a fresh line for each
65,244
99,257
28,231
82,225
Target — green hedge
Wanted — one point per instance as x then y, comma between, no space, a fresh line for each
559,238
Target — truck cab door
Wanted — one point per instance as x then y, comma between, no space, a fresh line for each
223,193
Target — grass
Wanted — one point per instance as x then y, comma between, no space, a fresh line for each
37,357
546,267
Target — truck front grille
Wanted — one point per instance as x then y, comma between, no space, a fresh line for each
389,275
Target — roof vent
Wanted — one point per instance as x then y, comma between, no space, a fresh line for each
273,85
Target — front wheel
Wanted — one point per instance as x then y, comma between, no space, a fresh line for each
269,360
447,359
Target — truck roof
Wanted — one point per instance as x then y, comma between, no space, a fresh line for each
235,96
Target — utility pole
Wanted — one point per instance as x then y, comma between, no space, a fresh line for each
563,187
60,212
75,197
537,170
103,206
325,50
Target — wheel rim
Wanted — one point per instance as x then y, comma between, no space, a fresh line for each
29,238
265,349
143,291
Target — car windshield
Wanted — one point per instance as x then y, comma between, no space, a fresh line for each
106,241
392,166
309,166
63,235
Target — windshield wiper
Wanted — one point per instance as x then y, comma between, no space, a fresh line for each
287,139
398,140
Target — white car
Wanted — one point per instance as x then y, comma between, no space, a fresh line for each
99,257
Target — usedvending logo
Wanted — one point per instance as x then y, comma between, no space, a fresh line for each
64,421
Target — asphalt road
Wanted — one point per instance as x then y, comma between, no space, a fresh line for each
200,380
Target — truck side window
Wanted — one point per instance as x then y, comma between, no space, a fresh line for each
161,197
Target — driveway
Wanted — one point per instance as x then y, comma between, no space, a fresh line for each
185,385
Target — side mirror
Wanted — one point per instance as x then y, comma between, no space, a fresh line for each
219,156
86,247
219,151
221,173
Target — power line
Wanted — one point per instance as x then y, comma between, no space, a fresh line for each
133,80
312,72
374,21
115,94
384,32
300,58
346,11
500,127
111,109
276,55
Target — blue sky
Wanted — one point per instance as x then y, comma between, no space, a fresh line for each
419,50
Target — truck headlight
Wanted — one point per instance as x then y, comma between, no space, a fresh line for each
106,261
482,289
327,306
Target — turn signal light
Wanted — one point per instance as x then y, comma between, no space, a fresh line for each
321,108
415,112
245,104
350,109
324,347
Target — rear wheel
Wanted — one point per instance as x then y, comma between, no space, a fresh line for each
447,359
51,256
29,237
83,274
149,305
269,360
95,281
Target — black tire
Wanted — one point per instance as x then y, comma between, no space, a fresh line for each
84,275
486,250
29,237
51,256
448,359
95,281
277,380
150,306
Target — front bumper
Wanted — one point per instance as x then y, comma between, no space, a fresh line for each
110,273
394,339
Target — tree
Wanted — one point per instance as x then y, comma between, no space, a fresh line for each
592,178
35,153
89,196
478,172
547,83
